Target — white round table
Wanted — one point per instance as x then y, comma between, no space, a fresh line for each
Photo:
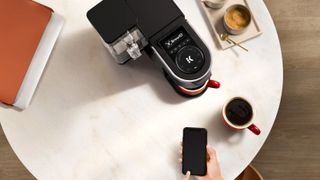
94,119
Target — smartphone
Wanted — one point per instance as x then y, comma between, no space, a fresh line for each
194,151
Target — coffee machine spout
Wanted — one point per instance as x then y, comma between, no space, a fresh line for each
132,47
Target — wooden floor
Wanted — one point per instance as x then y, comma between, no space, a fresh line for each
10,166
292,151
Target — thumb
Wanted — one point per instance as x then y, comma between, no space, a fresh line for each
187,176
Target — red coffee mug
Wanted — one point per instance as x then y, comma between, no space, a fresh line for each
250,125
194,92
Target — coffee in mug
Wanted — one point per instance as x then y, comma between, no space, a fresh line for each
238,113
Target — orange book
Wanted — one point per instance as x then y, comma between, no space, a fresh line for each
28,32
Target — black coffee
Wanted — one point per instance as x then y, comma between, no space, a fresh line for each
239,112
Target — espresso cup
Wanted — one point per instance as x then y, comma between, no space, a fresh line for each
238,113
237,19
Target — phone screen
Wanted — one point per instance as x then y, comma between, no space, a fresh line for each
194,151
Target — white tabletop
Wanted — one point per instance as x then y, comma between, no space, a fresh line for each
94,119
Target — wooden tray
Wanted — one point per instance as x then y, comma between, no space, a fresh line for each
215,17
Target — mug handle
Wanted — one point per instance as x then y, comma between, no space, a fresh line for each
253,128
213,84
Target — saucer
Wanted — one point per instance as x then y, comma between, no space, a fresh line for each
215,17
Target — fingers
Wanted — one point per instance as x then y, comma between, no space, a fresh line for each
180,148
180,153
187,176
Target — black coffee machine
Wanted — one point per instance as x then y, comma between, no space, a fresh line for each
158,27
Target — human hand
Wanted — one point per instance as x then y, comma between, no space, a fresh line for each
187,176
213,168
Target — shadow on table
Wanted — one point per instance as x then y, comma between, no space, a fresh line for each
174,160
3,106
218,25
207,21
82,71
225,134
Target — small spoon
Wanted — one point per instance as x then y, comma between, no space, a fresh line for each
225,37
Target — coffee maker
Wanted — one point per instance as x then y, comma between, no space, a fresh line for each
159,28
